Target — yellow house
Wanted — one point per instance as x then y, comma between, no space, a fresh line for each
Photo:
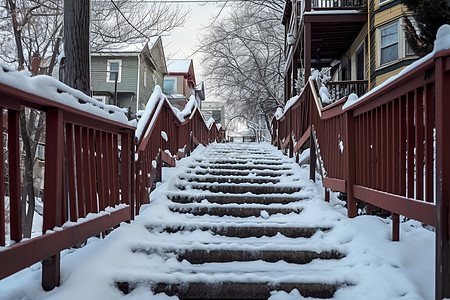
357,43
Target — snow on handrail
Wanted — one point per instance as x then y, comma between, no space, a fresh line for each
50,88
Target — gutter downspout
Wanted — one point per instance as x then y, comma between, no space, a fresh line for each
138,79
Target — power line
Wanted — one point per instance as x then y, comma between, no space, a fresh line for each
134,27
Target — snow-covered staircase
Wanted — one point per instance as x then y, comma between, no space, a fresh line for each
230,227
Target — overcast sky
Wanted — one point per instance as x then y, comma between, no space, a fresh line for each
182,42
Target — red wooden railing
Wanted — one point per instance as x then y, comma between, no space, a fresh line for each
386,150
182,138
90,168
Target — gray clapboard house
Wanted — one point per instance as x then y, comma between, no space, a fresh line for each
138,67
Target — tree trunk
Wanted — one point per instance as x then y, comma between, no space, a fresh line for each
17,33
76,44
27,185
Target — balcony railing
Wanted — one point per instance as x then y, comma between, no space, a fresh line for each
338,4
341,89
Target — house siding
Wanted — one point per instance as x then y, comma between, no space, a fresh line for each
128,78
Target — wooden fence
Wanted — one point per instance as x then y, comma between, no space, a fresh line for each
387,150
90,168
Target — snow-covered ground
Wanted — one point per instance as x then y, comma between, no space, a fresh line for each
374,266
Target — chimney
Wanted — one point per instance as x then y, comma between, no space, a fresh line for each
35,63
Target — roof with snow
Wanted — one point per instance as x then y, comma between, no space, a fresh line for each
130,48
178,65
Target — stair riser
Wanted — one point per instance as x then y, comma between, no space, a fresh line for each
240,162
241,167
197,256
240,173
246,232
235,199
232,211
230,180
232,290
257,190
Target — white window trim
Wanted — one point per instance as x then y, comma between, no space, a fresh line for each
145,76
176,82
108,70
401,43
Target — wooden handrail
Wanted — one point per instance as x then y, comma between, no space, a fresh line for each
381,149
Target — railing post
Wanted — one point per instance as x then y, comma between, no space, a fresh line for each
54,150
126,174
312,155
442,178
291,142
349,150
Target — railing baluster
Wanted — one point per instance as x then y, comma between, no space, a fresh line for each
14,176
79,173
429,140
71,172
418,105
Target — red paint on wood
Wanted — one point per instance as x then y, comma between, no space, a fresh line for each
53,188
429,140
442,179
71,171
414,209
14,176
79,172
47,245
418,108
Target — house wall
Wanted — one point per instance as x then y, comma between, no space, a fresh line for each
128,78
351,54
381,15
180,84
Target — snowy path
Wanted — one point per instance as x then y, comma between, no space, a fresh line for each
242,213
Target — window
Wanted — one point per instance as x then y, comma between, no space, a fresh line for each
360,63
170,85
217,115
155,81
114,69
389,43
145,77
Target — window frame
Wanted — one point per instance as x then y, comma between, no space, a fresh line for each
395,24
108,70
145,76
175,84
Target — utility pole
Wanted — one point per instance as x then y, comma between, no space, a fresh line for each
77,44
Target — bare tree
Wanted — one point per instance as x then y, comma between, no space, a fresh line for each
243,60
33,29
119,22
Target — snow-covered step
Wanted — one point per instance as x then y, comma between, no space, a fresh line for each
256,189
242,231
269,162
229,179
242,211
238,289
241,167
257,173
201,256
187,197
